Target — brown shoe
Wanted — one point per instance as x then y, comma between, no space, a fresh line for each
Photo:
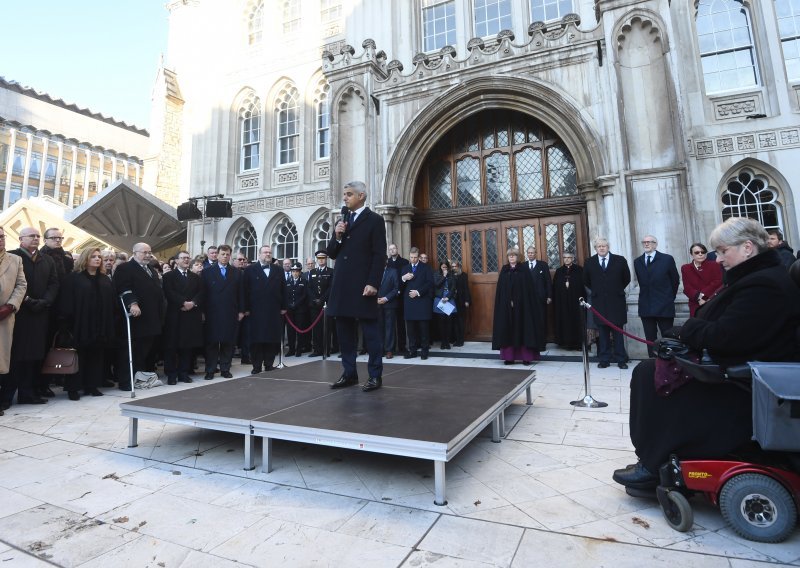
389,354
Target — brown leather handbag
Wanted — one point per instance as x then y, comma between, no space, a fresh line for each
60,360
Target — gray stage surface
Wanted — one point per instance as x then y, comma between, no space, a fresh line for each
422,411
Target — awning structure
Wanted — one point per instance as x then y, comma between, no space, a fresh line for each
125,214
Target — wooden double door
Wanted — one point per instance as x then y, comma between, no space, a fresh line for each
481,250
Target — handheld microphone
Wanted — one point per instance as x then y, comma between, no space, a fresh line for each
345,214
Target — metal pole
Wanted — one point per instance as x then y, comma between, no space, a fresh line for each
587,401
280,357
130,347
324,332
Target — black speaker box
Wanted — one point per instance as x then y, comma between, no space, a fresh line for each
188,211
219,208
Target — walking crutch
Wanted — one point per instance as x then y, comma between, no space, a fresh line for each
130,347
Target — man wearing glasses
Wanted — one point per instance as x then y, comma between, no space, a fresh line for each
12,292
658,284
53,247
140,289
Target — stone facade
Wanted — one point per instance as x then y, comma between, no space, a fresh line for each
619,83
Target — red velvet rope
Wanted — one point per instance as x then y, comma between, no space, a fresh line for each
619,329
309,328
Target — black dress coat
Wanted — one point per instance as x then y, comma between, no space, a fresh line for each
183,330
133,285
542,285
389,289
567,289
221,303
608,288
32,320
658,285
86,309
421,307
359,262
264,298
463,295
520,324
755,317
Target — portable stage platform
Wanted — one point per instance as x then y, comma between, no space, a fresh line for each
423,411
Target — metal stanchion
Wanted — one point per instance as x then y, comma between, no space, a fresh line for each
587,401
283,339
130,345
324,332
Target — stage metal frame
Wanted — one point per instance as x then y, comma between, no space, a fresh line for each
439,453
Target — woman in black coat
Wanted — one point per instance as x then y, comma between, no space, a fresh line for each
444,289
567,289
87,312
754,317
517,314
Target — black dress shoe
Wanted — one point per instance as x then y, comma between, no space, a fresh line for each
46,392
345,381
172,381
424,355
637,477
374,383
227,375
74,395
184,379
526,363
315,354
32,400
298,354
508,362
290,353
255,370
108,383
125,387
209,376
92,392
411,355
602,365
246,361
362,352
622,365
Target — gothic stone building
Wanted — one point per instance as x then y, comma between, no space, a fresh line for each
484,124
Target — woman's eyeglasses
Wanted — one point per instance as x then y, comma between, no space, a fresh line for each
699,252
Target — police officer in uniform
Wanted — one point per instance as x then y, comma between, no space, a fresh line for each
319,282
297,304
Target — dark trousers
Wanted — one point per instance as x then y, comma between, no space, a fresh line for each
298,342
604,345
218,353
459,324
243,336
263,355
22,377
347,328
387,323
177,362
141,347
445,327
401,326
650,334
91,369
418,335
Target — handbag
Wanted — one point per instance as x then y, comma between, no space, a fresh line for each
669,376
60,360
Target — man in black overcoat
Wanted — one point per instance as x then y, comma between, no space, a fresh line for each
263,299
418,304
463,298
607,275
221,283
397,263
29,346
543,293
319,286
567,289
388,292
658,284
140,289
183,326
359,248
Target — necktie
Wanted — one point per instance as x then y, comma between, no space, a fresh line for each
183,273
353,218
413,268
649,259
147,269
222,271
604,264
530,263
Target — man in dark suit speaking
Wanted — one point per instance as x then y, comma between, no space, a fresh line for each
359,248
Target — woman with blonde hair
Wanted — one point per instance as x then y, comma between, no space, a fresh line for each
87,313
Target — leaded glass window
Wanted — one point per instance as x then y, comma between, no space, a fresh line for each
250,133
246,242
438,24
291,16
285,240
726,45
549,10
323,116
255,22
320,236
788,12
750,195
491,16
288,120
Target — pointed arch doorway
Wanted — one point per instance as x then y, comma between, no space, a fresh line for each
498,180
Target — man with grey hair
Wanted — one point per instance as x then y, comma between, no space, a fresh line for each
607,275
359,247
658,284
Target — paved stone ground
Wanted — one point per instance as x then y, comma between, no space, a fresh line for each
73,494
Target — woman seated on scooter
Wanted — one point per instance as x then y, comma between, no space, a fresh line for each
753,318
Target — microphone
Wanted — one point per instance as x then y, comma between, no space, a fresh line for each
345,214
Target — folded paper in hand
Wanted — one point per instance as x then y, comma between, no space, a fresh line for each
446,307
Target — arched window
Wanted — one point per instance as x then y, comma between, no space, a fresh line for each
497,157
285,240
491,16
726,45
788,12
291,16
250,133
749,195
255,22
321,234
246,242
549,10
323,121
288,122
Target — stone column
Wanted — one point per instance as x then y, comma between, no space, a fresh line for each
71,198
389,212
405,213
28,153
12,146
605,186
43,171
100,170
86,174
59,163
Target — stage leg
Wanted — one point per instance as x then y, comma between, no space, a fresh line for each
133,432
438,483
529,396
496,429
249,452
266,460
502,417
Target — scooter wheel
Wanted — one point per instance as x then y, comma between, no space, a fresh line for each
677,510
758,508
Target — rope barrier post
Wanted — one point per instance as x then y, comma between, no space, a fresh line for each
587,401
283,340
324,332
